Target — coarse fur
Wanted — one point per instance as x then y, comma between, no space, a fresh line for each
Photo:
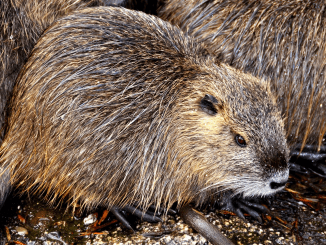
281,40
21,24
117,107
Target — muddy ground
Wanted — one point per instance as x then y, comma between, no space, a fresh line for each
298,216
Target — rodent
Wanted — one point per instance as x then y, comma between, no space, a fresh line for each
281,40
117,107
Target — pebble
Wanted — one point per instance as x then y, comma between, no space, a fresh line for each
90,219
21,230
175,232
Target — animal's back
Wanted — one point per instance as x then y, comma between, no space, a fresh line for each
21,24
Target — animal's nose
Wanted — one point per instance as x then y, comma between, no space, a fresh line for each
278,180
276,185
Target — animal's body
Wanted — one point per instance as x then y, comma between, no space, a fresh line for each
283,41
117,107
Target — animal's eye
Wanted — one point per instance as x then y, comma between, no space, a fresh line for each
240,140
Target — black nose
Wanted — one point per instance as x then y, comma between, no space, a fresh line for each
276,185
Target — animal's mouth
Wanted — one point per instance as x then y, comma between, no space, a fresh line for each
259,187
276,182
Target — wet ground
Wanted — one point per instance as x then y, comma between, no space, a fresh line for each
298,216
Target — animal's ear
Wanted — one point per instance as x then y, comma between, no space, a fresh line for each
209,104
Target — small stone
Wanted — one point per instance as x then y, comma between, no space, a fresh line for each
279,240
21,230
90,219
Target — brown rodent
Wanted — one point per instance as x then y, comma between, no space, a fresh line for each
281,40
117,107
21,24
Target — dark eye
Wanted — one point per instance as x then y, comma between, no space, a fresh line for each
240,140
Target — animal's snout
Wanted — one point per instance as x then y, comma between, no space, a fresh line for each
277,185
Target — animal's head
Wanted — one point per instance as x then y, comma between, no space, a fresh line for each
235,134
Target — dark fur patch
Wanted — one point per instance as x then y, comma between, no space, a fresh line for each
208,104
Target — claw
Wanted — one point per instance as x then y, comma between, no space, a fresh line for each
148,217
319,169
239,213
239,205
298,168
258,206
314,167
144,216
250,211
120,216
309,159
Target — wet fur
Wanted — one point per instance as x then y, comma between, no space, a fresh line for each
107,112
283,41
21,24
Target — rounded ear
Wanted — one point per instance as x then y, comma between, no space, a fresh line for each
209,104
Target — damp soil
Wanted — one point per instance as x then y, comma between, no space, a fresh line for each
298,216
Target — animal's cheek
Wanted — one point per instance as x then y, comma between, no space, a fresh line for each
214,129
